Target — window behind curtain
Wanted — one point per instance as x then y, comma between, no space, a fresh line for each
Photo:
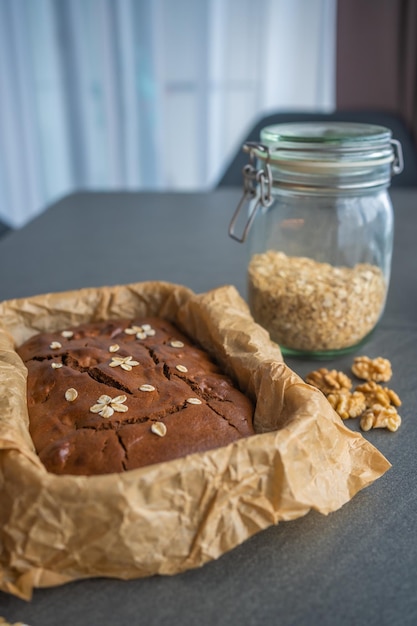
147,94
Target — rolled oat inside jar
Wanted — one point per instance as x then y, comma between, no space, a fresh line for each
309,306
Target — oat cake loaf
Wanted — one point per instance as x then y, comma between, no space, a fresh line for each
121,394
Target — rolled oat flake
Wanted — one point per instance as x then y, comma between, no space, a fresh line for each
318,221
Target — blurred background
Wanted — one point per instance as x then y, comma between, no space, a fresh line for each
160,94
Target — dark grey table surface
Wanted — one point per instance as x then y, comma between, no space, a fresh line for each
356,566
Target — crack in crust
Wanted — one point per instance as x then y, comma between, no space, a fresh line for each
101,377
122,445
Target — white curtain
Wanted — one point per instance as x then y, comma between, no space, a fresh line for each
147,94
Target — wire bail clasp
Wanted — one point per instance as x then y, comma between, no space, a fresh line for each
398,163
257,185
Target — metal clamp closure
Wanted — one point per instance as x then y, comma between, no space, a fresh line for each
257,185
398,162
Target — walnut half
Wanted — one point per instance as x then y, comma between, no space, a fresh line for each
347,404
329,381
375,394
378,369
380,416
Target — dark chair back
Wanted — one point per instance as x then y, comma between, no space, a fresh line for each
4,229
232,175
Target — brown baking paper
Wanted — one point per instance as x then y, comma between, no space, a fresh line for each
170,517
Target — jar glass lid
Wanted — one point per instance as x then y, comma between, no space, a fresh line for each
326,134
328,147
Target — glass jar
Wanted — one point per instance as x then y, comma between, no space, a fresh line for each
319,224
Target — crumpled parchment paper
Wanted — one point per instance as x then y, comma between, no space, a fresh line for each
170,517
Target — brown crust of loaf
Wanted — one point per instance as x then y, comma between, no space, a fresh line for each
70,439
